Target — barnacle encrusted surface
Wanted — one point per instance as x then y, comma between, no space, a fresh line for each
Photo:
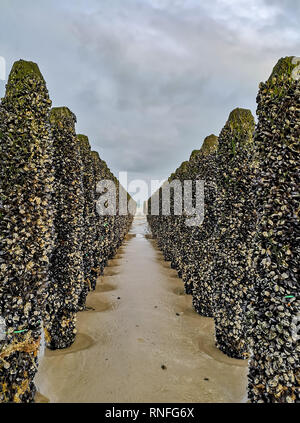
26,226
274,310
66,268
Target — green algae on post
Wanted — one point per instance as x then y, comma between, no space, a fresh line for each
283,69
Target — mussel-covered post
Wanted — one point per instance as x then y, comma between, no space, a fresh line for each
199,265
98,253
106,221
66,267
180,241
177,231
26,226
274,365
111,227
89,218
235,226
153,210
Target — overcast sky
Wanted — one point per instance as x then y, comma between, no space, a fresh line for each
149,79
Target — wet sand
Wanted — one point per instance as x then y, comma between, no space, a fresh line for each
138,321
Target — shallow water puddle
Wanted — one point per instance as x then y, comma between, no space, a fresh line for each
145,343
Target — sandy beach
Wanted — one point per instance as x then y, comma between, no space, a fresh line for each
140,340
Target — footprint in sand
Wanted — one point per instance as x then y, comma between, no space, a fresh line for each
97,304
186,310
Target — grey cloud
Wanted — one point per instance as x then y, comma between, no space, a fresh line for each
149,80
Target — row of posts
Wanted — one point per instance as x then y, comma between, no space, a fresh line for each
53,243
241,265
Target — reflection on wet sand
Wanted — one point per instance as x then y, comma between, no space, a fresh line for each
103,286
207,345
146,345
178,291
109,271
114,263
82,342
39,398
